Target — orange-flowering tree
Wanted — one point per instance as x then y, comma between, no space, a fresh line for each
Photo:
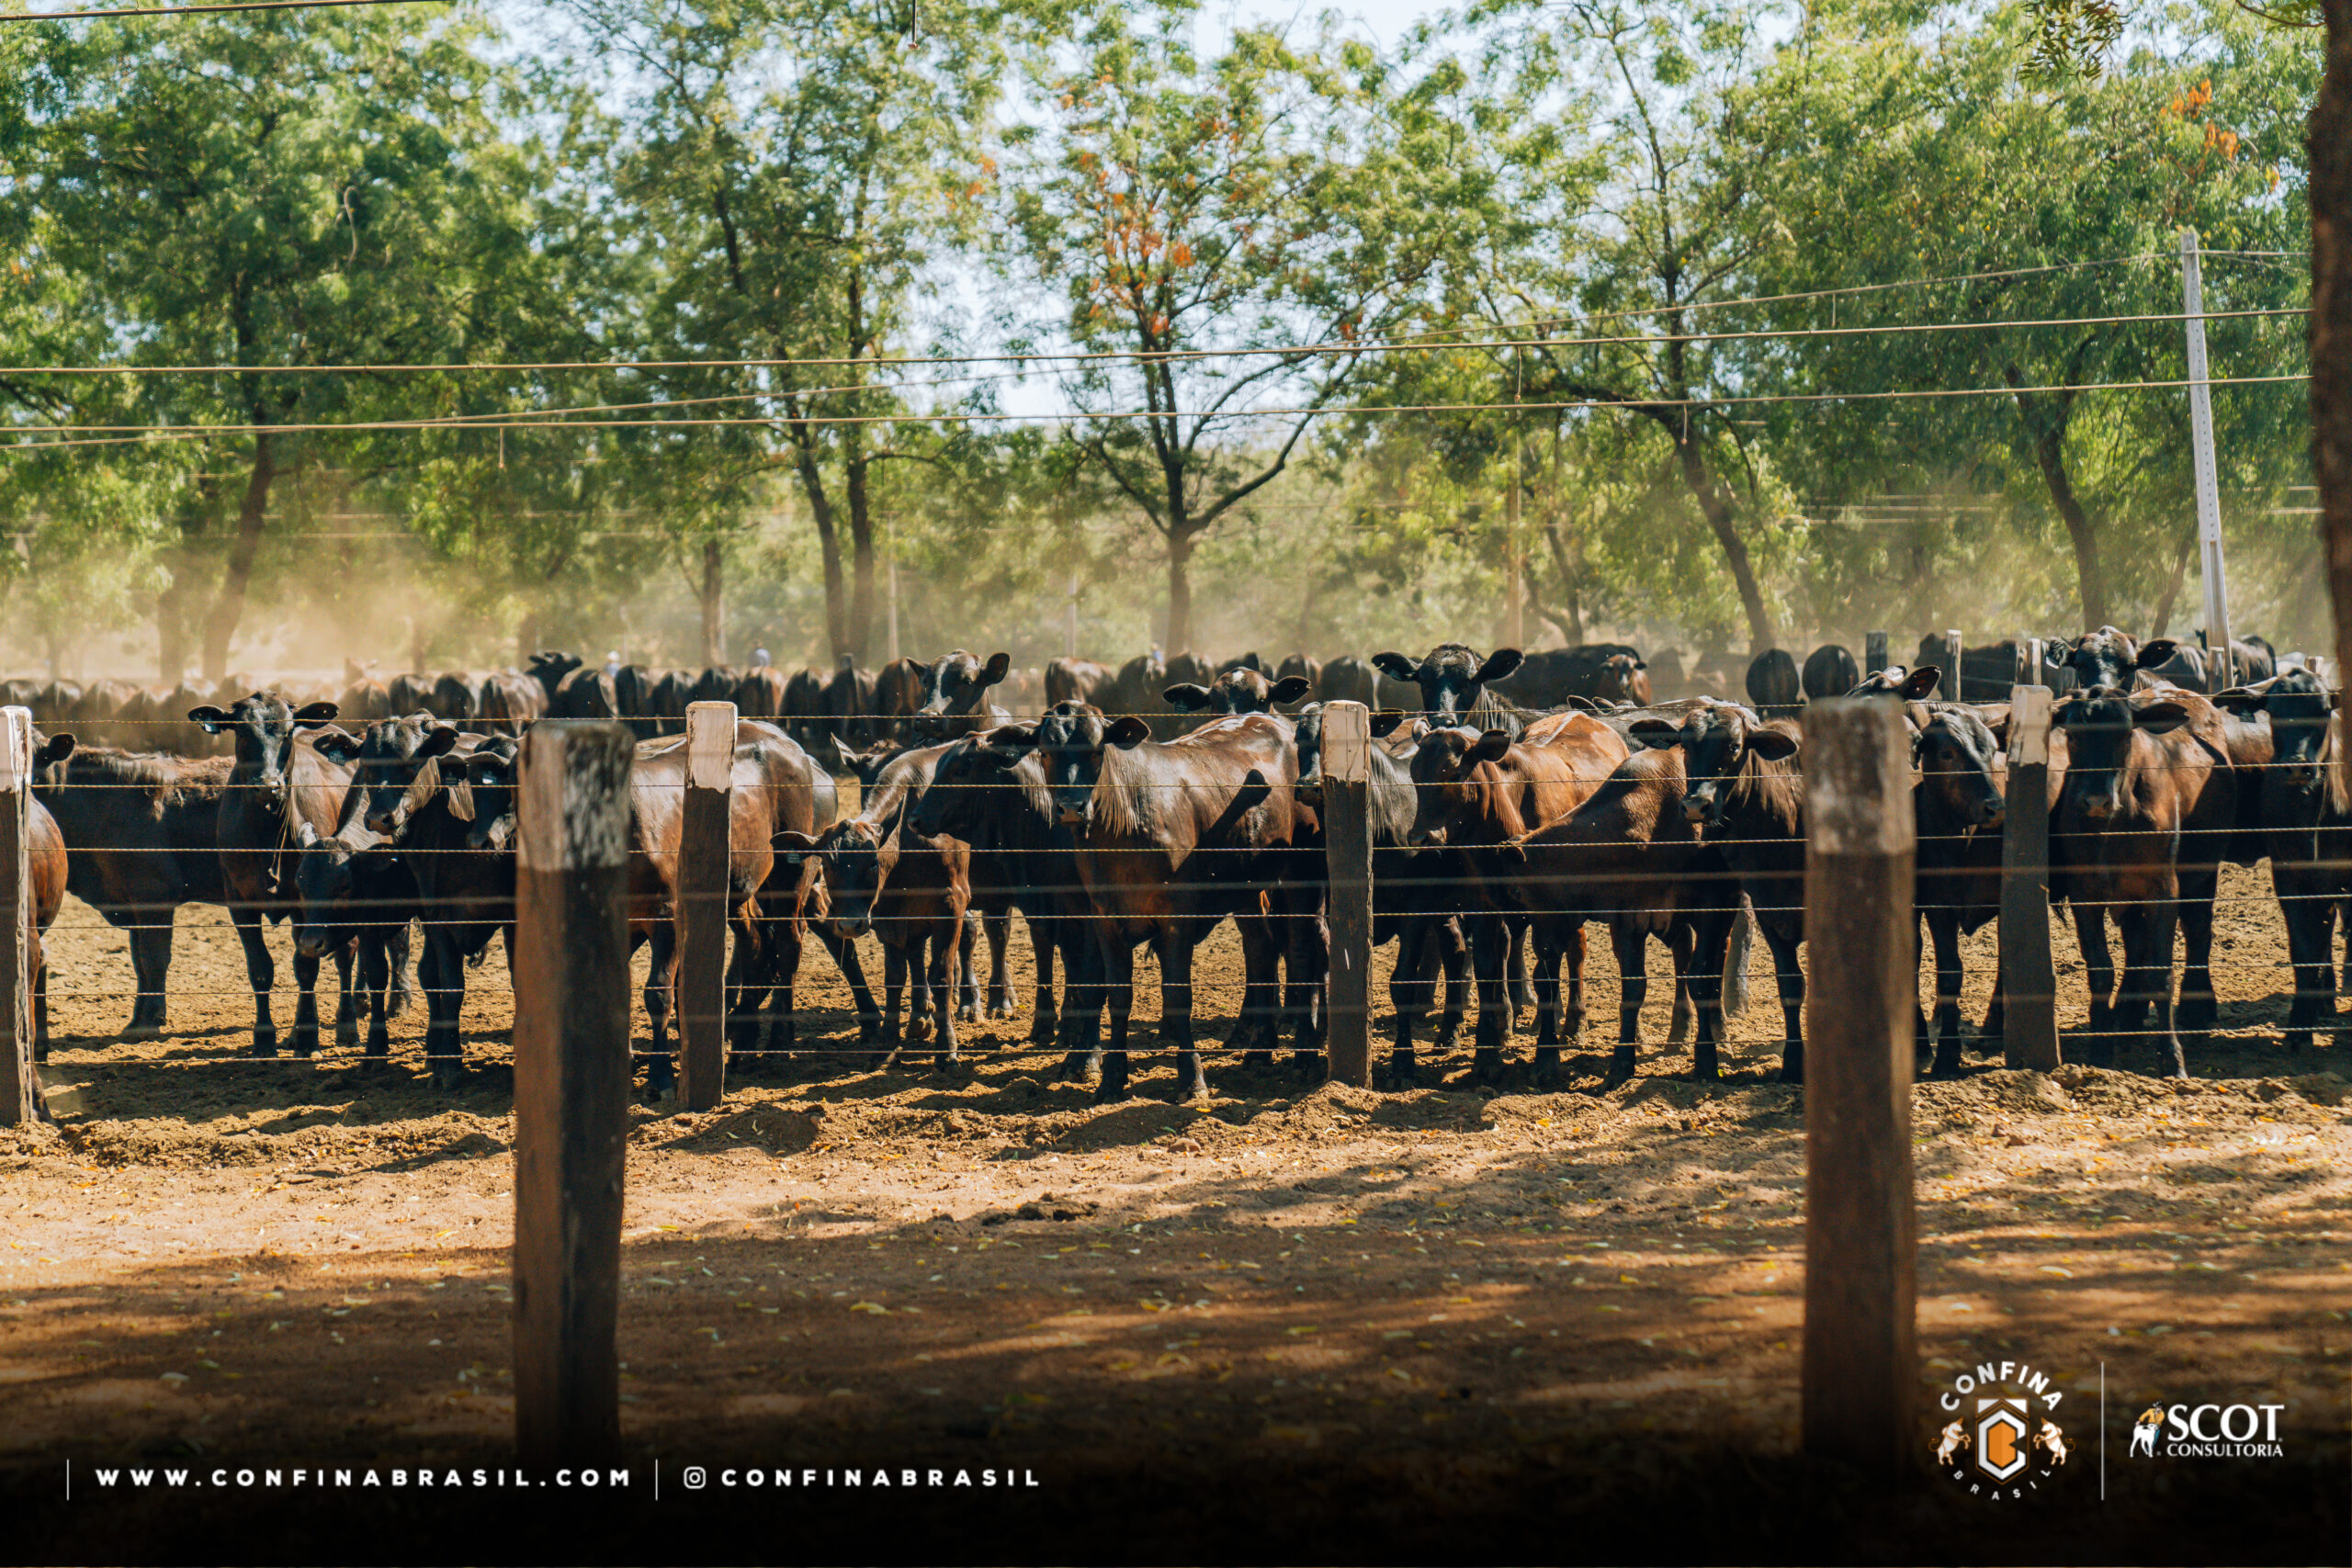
1225,237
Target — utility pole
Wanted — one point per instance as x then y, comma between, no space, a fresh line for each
1514,613
2209,499
894,610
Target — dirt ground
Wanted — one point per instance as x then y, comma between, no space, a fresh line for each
1294,1321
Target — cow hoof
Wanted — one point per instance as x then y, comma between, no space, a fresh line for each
449,1077
1001,1011
138,1031
1108,1092
1792,1074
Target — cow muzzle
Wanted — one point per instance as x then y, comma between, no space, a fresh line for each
1700,810
313,942
1309,792
1072,817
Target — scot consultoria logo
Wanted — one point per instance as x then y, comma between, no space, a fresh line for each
2207,1431
1997,1437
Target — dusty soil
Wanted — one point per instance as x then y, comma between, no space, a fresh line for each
1295,1321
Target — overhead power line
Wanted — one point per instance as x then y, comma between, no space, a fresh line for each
1298,351
195,10
105,435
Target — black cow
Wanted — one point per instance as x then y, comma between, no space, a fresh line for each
443,801
1348,678
2307,832
1830,671
1238,690
1773,684
1552,677
1453,684
355,892
955,695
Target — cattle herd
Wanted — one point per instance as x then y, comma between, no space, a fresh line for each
1514,801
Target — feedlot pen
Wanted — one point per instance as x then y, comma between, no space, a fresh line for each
1395,1310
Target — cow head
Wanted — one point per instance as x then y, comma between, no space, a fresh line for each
2098,724
549,667
1452,678
50,755
263,726
866,766
956,683
400,769
1623,678
957,801
1238,690
1960,764
1907,685
1453,777
484,793
2106,657
1068,740
1717,741
2300,708
855,858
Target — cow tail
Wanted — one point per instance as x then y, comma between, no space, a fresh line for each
1742,936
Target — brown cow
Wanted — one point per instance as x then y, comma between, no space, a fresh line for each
2142,824
1477,795
1174,837
45,852
878,875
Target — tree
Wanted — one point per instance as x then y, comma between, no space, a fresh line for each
793,168
301,190
1226,235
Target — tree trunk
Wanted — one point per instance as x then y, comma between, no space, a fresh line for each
2331,324
861,538
714,607
1180,589
2050,454
236,573
828,549
1717,508
171,624
2162,616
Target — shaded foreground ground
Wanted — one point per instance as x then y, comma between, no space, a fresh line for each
1298,1324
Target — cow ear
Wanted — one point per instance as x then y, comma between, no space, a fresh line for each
847,758
2161,717
1652,732
1187,696
340,745
1996,717
1500,663
1385,720
436,742
211,717
2055,652
1126,733
796,843
56,749
1772,745
309,716
1583,704
1919,682
1291,688
1009,741
1490,746
1000,665
1641,663
1396,664
2239,700
2157,652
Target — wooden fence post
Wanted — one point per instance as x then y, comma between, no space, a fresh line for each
572,1089
703,854
1954,653
20,1090
1861,1347
1873,653
1347,850
2028,984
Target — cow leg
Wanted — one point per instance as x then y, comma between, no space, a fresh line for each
2159,917
1679,938
306,1004
749,981
1119,992
1454,952
660,989
1083,999
1176,1003
968,1005
1045,1018
1409,988
1784,945
1001,999
40,998
2098,972
261,972
894,988
1710,945
1943,926
396,950
348,1003
376,982
2197,1012
2307,923
783,944
1572,1025
443,973
946,957
1633,951
1522,994
853,968
1490,943
151,961
1550,949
